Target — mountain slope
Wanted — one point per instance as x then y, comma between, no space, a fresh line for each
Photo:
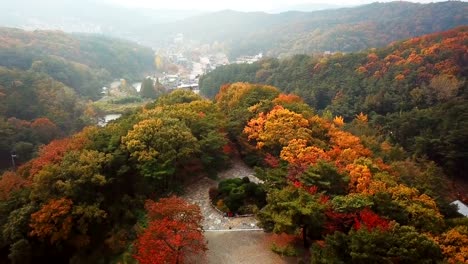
83,62
345,29
46,77
412,89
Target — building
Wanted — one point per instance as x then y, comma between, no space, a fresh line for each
462,208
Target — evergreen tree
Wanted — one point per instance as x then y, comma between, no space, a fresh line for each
147,89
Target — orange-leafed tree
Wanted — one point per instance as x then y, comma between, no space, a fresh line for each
362,117
338,121
297,152
360,178
345,148
53,220
174,233
275,129
454,244
10,182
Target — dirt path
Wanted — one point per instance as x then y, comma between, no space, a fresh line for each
197,193
246,247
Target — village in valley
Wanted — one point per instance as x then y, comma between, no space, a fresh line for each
180,64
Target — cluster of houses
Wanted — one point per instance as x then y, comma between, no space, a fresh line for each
248,59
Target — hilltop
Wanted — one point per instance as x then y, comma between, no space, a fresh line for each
105,194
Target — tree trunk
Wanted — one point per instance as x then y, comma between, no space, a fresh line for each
304,237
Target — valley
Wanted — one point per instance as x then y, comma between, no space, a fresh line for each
178,132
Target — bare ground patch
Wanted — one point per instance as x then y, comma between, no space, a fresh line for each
243,247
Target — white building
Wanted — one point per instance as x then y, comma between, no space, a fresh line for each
462,208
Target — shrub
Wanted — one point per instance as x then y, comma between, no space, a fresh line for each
213,193
248,209
251,188
288,250
237,193
232,203
226,186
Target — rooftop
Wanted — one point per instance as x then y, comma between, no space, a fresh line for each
462,208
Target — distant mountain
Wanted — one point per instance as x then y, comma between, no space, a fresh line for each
306,7
87,16
345,29
302,30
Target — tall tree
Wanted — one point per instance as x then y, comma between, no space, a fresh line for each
159,145
147,89
174,232
291,209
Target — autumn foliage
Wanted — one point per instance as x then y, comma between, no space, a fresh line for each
454,244
53,221
370,220
54,151
11,182
174,232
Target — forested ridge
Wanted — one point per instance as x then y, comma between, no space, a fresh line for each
413,90
339,30
90,197
84,62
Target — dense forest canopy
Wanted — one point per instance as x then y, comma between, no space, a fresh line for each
84,199
81,198
415,90
289,33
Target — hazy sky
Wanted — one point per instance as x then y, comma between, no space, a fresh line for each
241,5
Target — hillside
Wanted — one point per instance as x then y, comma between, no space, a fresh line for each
105,194
47,79
412,89
83,62
289,33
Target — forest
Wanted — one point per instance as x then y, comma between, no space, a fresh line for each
83,62
355,153
105,194
414,91
46,80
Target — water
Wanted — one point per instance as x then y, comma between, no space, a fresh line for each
107,118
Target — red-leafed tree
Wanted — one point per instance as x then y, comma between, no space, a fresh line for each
56,150
174,232
51,153
45,129
370,220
